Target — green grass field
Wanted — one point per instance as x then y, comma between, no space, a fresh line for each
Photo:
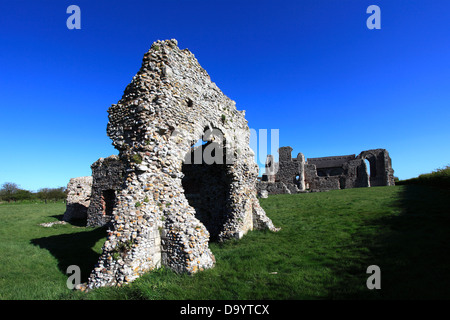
326,243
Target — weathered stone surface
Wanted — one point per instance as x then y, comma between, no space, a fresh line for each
78,198
381,172
263,194
285,176
289,170
107,177
168,206
273,187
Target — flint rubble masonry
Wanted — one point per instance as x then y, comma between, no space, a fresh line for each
78,198
164,111
107,178
295,175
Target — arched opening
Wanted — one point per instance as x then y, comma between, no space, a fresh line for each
297,180
336,171
371,170
207,185
368,169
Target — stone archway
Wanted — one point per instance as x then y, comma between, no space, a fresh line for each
207,182
368,171
371,168
380,167
108,201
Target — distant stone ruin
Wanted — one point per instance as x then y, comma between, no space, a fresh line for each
107,178
92,199
79,192
185,173
294,175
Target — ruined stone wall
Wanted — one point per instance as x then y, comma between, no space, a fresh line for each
355,175
331,162
285,176
381,171
271,168
291,171
107,177
164,111
314,183
78,198
327,173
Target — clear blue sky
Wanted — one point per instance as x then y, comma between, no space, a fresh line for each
311,69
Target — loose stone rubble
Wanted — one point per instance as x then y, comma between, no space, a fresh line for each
51,224
167,206
326,173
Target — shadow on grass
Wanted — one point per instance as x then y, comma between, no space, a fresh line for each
73,249
411,245
74,222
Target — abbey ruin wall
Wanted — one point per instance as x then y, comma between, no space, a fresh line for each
294,175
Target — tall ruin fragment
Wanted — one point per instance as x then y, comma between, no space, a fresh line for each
167,207
79,192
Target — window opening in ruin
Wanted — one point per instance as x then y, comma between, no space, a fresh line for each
369,174
109,198
336,171
207,188
321,173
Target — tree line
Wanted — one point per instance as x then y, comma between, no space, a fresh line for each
10,191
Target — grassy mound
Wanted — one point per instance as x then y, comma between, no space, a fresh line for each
438,178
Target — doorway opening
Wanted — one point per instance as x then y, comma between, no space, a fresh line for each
371,170
108,202
207,186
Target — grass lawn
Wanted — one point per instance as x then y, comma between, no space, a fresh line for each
326,243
